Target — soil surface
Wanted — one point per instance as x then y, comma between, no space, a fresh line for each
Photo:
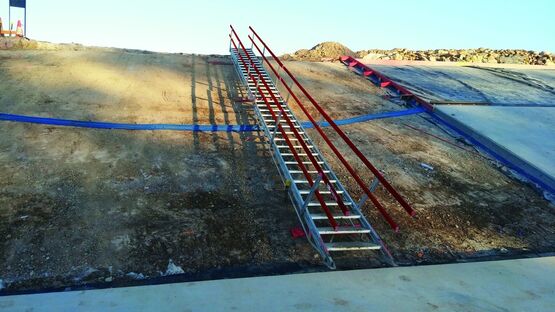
84,206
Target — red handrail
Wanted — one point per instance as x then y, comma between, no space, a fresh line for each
375,171
328,213
385,81
345,138
370,195
295,131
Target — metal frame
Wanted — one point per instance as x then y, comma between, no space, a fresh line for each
340,132
307,223
324,170
384,82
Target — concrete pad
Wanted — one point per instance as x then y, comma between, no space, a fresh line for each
526,135
512,285
473,84
512,111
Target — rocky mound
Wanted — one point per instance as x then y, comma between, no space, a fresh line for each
480,55
331,51
325,51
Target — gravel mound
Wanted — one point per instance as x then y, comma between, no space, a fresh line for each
331,51
325,51
481,55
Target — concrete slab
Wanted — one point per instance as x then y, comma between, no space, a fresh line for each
511,112
476,84
526,135
513,285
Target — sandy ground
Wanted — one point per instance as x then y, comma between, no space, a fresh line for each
86,205
81,205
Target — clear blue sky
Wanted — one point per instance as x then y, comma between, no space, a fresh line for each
202,26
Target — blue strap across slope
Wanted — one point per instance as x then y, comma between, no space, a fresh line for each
125,126
185,127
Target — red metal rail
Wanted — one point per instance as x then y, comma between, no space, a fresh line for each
373,198
359,181
328,213
385,82
295,131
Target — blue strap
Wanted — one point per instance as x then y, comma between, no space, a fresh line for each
125,126
184,127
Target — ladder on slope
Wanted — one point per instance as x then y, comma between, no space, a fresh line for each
331,219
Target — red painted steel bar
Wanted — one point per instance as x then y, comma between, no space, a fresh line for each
345,138
384,81
327,211
359,180
307,150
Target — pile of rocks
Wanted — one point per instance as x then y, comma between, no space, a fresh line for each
331,51
480,55
325,51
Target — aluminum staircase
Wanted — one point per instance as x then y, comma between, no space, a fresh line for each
331,219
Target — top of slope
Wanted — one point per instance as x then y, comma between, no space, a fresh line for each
323,51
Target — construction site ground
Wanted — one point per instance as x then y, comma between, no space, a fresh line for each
104,206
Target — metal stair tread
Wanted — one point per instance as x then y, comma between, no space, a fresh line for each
282,139
343,230
331,204
298,154
295,146
345,246
322,216
304,163
270,115
323,192
284,126
282,122
306,182
291,132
